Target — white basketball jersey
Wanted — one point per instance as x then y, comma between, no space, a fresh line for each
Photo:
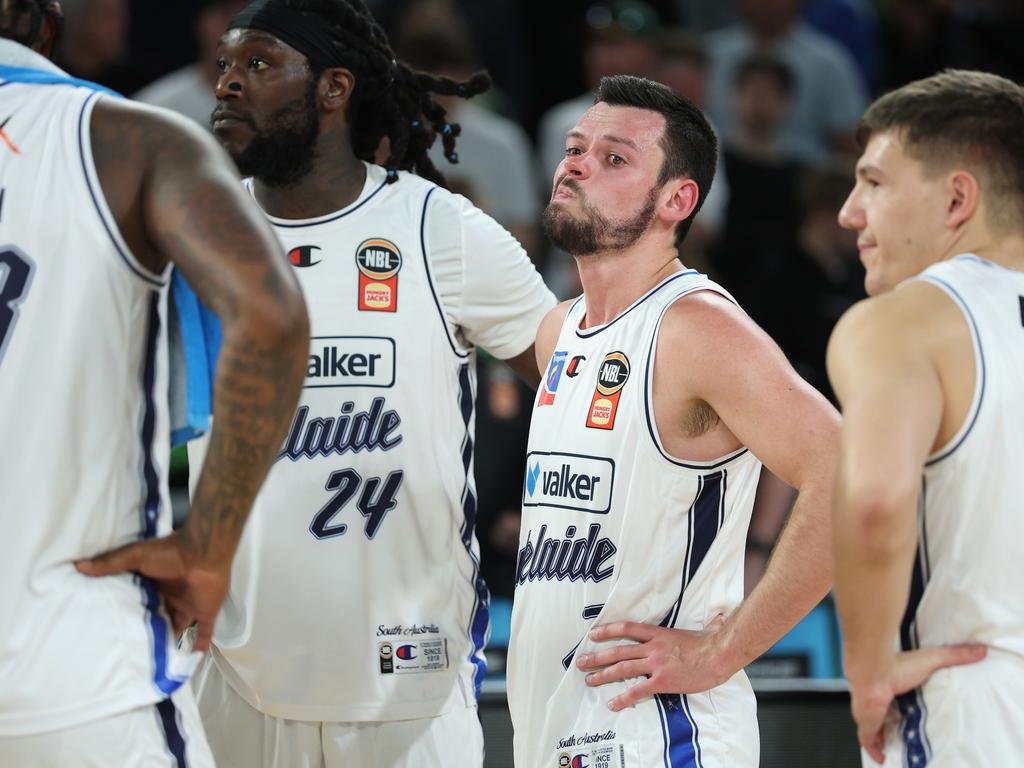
83,411
965,584
356,592
614,528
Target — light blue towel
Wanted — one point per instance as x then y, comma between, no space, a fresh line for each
194,331
195,339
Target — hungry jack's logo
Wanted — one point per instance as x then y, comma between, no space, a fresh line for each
611,378
379,261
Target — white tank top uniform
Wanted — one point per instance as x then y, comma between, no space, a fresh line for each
356,592
615,528
967,573
83,408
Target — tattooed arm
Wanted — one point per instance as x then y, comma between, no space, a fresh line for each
176,197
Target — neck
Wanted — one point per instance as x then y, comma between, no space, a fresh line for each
1006,251
612,280
335,181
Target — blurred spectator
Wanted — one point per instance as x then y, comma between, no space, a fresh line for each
852,24
189,90
703,16
495,155
915,37
828,96
94,43
620,41
754,257
682,65
828,273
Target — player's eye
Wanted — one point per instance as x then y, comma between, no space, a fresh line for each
616,159
257,63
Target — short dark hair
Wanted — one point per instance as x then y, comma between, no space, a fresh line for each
689,144
765,64
961,116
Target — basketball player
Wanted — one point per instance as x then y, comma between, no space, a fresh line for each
929,372
353,634
97,198
661,400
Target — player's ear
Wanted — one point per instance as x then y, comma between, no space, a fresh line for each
336,87
963,197
678,199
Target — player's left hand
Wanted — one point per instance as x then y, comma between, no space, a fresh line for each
192,590
672,660
871,701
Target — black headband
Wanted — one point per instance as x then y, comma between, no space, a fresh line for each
305,32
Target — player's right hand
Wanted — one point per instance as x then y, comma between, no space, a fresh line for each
192,591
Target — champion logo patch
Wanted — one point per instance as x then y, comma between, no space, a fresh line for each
303,256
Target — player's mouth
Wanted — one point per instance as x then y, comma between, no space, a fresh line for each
224,119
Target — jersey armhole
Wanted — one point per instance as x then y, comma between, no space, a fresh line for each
652,425
106,217
431,282
979,373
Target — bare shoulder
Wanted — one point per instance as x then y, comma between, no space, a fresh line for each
916,316
547,332
706,327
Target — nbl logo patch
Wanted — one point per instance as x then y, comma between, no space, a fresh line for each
611,378
379,261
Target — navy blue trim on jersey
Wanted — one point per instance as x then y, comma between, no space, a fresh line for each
652,429
32,76
704,521
96,194
157,623
430,281
981,356
480,615
911,704
679,731
172,732
591,332
330,217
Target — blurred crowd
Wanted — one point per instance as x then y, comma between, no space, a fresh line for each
782,81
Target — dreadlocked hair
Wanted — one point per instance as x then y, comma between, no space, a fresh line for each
22,20
390,99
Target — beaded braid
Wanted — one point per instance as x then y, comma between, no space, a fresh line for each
390,99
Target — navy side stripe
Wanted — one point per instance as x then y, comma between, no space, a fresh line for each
158,626
704,521
480,615
172,733
911,704
678,731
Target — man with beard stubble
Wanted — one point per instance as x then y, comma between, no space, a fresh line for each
353,634
661,400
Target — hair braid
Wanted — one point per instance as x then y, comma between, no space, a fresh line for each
390,99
